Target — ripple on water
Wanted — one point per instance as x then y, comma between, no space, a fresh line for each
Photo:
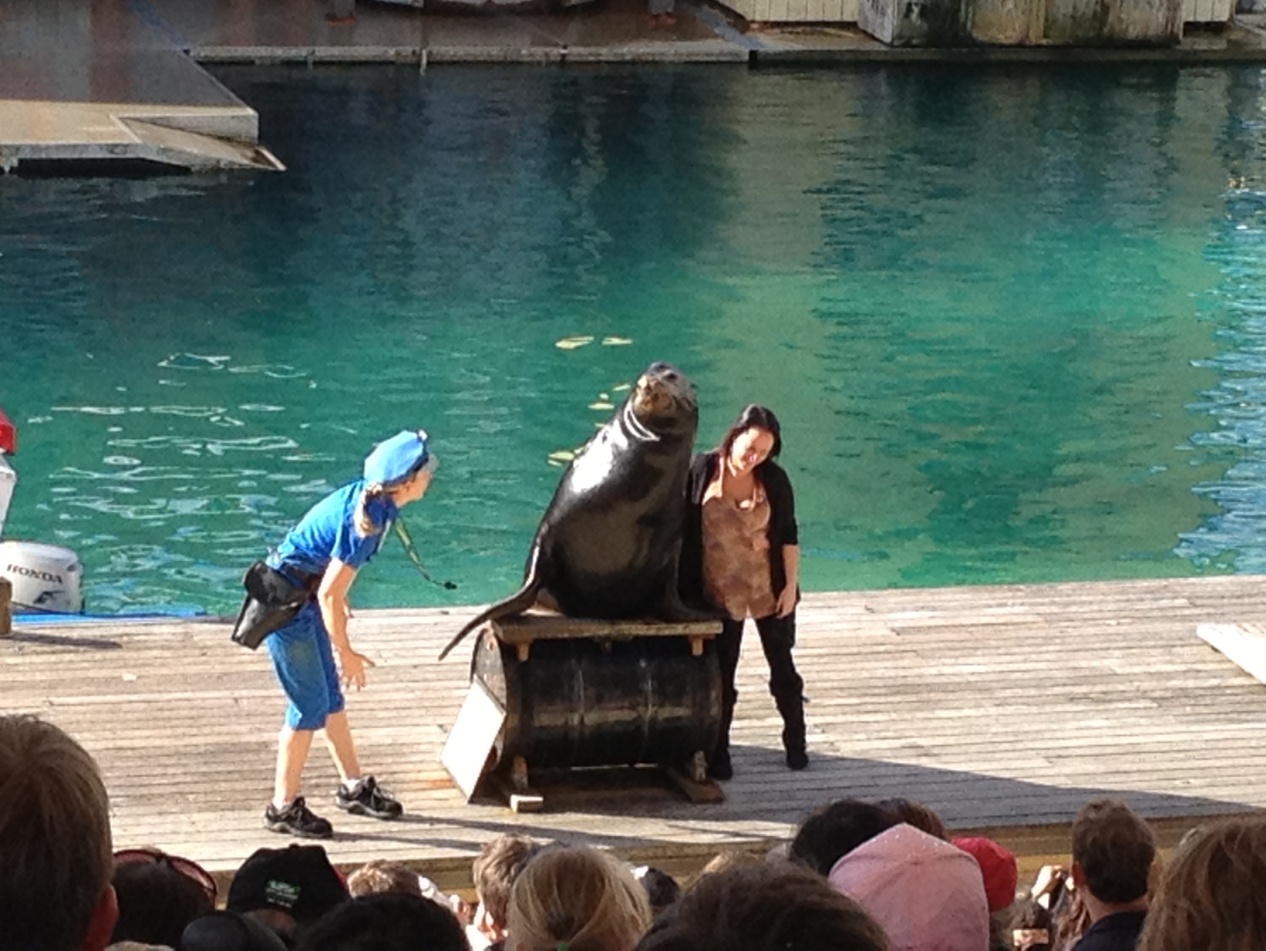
973,387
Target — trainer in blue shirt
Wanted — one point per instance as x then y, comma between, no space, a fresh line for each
323,552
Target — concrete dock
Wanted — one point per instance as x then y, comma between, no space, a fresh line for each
86,85
106,85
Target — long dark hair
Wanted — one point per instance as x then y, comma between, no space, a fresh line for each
753,416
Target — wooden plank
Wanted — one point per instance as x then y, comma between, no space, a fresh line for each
942,695
540,626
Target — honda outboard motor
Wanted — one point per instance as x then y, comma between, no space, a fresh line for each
45,578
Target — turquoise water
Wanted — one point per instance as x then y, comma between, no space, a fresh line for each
1013,319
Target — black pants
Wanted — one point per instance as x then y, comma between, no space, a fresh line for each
777,638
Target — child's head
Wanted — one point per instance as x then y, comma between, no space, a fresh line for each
382,875
496,867
579,897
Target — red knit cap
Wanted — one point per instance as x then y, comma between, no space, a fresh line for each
997,865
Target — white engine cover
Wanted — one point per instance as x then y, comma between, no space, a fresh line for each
44,577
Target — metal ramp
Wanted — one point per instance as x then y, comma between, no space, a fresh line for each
60,138
196,151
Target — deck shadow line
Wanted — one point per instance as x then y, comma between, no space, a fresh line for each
61,640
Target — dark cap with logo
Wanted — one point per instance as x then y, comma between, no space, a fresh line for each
298,879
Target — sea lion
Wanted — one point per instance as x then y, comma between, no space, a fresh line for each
609,543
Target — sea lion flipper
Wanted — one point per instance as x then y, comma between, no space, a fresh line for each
517,603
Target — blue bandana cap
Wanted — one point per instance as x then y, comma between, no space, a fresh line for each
398,458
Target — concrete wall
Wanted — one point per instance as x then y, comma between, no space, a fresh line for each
1022,22
1000,22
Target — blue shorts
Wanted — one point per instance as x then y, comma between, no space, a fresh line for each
303,661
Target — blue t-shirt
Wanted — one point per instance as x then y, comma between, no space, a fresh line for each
328,531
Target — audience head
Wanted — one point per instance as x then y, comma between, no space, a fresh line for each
1212,894
1113,851
764,908
226,931
731,859
780,852
914,813
579,897
286,889
55,847
998,868
833,831
380,876
1031,929
661,888
496,867
388,921
158,896
925,893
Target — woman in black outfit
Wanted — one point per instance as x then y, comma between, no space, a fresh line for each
741,554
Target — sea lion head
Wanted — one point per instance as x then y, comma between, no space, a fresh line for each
664,399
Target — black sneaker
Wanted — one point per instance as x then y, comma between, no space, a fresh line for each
367,798
297,819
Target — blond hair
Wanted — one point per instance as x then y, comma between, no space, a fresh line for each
56,856
578,897
494,870
1211,895
728,860
383,875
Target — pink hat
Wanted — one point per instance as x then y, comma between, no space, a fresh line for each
925,893
997,865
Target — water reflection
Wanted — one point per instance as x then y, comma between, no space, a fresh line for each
983,301
1237,310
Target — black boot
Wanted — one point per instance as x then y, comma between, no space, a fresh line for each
719,766
793,732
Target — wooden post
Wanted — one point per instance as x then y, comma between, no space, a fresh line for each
6,613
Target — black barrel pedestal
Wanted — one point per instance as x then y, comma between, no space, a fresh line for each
577,693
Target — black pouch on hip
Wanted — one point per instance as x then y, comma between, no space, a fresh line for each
272,601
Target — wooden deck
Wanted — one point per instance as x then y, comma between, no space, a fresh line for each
1004,708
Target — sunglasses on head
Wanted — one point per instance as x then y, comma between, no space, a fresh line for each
186,867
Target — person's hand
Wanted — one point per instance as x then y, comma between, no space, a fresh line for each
352,668
461,908
787,601
1049,878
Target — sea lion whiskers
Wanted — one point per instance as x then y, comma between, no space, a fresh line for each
638,427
